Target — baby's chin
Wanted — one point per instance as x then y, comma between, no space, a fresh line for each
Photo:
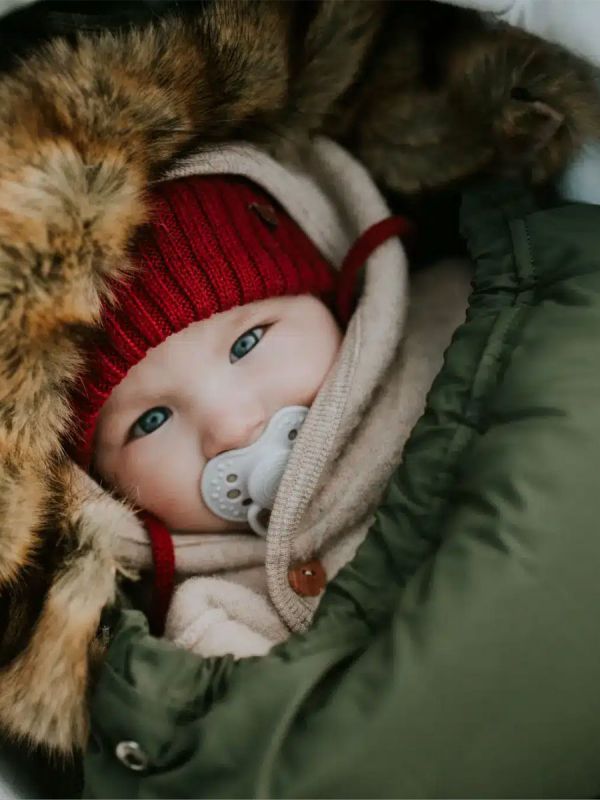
208,527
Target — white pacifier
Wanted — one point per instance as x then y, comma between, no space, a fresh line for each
240,484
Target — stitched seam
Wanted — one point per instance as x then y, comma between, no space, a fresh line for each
472,425
476,411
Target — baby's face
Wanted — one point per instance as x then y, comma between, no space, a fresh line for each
210,388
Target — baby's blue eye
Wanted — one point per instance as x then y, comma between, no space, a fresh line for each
150,421
246,342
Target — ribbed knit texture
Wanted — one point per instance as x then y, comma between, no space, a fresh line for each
213,243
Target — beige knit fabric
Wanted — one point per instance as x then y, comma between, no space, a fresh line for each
354,434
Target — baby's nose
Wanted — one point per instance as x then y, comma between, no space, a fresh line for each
230,430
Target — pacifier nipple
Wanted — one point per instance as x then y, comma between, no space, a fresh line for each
241,484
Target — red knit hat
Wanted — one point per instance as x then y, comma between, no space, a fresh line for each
212,243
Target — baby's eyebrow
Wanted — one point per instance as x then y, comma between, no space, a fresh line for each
145,396
126,412
258,308
154,383
251,316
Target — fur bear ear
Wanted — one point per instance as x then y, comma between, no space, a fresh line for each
527,126
531,102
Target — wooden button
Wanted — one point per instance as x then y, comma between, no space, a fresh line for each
266,213
308,580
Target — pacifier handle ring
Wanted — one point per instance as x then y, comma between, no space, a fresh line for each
254,521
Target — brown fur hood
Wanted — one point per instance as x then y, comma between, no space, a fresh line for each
85,124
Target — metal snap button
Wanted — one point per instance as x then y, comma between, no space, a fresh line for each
131,755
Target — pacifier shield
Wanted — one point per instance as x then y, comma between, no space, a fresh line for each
239,480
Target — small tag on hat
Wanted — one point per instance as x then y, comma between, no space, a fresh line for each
266,213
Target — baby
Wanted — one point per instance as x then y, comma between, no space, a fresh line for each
194,405
222,327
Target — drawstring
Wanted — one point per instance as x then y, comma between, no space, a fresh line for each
358,254
163,551
163,555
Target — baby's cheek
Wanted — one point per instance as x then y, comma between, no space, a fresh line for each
155,480
306,365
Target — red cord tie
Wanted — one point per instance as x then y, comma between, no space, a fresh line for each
163,555
358,254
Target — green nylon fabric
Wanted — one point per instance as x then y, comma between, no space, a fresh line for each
458,655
